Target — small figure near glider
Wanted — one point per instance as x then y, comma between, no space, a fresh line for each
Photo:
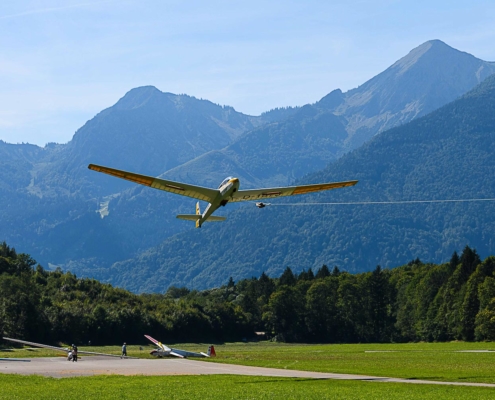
72,354
227,192
164,351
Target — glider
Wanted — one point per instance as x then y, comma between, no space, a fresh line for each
227,192
66,350
164,351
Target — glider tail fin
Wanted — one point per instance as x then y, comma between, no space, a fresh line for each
198,212
192,217
210,353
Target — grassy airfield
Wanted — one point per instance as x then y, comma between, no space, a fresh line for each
429,361
222,387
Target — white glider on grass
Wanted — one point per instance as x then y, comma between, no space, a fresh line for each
165,351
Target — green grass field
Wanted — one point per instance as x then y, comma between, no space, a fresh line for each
431,361
222,387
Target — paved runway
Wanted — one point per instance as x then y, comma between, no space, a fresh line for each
59,367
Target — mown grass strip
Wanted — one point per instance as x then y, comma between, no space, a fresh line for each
429,361
222,387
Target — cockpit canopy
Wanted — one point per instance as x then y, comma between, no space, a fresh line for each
226,180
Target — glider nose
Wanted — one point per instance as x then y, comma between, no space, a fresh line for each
235,183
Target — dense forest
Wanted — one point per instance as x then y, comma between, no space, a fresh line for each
417,301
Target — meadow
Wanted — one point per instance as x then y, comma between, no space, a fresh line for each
222,387
453,361
431,361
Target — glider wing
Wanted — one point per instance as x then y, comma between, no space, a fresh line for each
159,344
196,192
46,346
270,193
43,346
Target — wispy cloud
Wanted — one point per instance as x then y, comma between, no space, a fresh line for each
54,9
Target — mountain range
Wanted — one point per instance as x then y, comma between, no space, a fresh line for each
63,214
446,155
427,78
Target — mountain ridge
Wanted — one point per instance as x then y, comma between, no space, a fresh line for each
430,76
54,206
426,157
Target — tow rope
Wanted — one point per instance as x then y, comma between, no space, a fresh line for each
261,205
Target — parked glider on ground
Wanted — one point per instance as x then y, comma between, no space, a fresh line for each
227,192
66,350
164,351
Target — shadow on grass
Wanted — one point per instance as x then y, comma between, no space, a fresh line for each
424,378
471,377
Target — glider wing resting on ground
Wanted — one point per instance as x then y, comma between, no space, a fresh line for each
62,349
227,192
164,351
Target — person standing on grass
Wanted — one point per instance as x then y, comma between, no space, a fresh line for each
74,352
124,350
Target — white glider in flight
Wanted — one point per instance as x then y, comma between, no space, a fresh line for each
227,192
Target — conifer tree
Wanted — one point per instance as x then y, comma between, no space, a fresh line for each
323,272
287,278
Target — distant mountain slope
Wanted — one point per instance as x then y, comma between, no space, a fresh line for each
147,131
447,154
49,199
16,161
272,155
429,77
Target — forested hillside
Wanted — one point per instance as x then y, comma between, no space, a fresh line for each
417,301
447,154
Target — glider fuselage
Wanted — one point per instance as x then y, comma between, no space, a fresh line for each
225,191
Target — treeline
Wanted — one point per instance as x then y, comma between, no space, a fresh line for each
52,306
417,301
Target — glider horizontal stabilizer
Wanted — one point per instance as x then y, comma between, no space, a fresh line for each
196,217
189,217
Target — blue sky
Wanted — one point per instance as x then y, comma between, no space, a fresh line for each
61,62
